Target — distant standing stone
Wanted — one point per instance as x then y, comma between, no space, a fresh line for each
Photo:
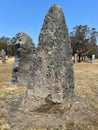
93,59
3,56
76,58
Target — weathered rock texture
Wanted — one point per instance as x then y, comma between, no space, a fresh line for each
48,71
51,69
25,51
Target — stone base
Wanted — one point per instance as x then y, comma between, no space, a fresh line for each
74,111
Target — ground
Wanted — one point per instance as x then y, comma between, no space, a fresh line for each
86,87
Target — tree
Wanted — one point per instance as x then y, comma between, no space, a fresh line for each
3,44
6,44
83,41
11,50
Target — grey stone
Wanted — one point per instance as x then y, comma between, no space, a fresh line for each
24,53
47,72
3,56
93,59
76,58
52,69
49,102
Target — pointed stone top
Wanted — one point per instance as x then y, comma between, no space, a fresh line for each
54,27
56,12
55,6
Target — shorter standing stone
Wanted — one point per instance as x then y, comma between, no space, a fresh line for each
76,58
23,56
93,59
3,56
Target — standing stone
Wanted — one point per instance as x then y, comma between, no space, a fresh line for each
24,53
76,58
52,71
3,56
50,81
93,59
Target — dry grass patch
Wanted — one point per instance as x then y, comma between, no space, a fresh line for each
6,71
86,81
86,86
8,91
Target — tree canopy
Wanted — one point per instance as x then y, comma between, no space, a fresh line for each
5,43
84,41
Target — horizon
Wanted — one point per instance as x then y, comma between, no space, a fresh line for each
28,16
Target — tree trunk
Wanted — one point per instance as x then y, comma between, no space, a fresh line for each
79,57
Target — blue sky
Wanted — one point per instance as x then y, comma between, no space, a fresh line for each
28,15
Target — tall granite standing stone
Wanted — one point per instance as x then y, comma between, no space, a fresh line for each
52,70
48,73
25,51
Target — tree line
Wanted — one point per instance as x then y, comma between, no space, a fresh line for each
7,46
83,42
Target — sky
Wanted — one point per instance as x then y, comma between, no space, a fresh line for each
28,15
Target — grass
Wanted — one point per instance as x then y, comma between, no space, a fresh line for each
7,92
86,81
86,86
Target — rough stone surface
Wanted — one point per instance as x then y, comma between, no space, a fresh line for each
52,73
24,53
48,70
49,101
